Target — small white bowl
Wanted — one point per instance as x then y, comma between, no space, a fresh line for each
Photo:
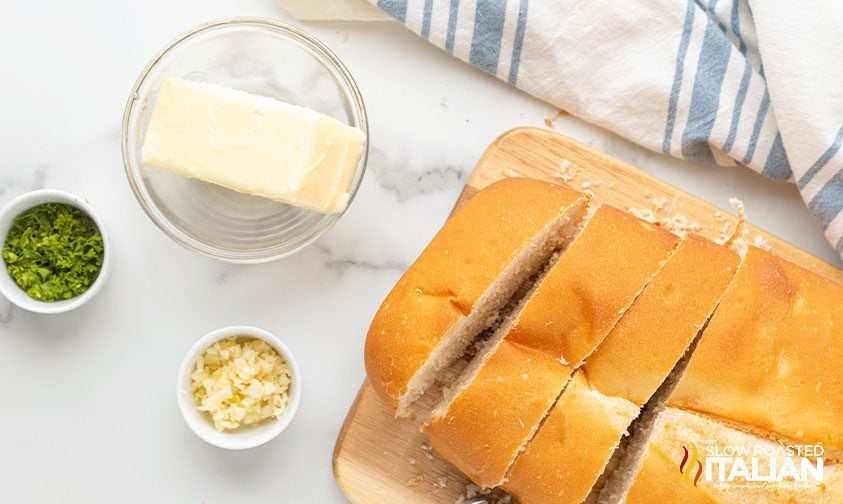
21,204
247,436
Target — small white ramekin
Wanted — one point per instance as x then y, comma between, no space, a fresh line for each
248,436
21,204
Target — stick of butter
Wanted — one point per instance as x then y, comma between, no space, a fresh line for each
253,144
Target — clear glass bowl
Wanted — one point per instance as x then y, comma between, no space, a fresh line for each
260,56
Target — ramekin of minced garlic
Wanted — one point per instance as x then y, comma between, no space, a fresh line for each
238,387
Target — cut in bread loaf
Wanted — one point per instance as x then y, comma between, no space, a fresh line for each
771,357
570,311
681,435
624,372
764,366
463,278
486,424
551,469
592,285
636,357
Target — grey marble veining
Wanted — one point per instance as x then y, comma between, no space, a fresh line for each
340,264
7,313
407,178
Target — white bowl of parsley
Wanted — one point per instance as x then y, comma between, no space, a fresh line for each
55,251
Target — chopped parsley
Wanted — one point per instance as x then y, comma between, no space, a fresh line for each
53,252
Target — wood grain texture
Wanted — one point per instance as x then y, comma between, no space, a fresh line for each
380,459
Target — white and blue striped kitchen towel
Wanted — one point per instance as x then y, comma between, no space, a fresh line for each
757,83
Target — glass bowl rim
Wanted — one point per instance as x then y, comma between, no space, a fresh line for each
359,116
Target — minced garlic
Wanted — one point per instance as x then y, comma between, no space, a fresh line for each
241,381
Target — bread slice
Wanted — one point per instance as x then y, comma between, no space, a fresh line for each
572,449
639,353
755,352
485,425
592,285
559,464
613,485
662,480
463,278
495,408
771,357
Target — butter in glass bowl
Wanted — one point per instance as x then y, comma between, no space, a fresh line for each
267,60
253,144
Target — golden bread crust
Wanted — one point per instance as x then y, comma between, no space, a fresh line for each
488,421
640,351
771,355
441,287
585,293
570,449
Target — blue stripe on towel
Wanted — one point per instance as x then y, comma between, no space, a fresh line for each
426,17
744,86
827,203
452,25
705,100
756,129
777,165
395,8
736,110
736,25
518,44
712,6
488,30
677,75
710,9
823,160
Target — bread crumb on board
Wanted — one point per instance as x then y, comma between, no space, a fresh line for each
475,495
678,224
760,242
415,481
428,450
472,491
736,237
567,172
724,235
441,483
739,240
548,121
642,213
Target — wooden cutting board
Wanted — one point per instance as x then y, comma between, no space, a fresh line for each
378,459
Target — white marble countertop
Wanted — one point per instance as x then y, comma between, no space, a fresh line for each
88,403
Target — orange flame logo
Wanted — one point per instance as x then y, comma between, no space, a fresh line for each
690,459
